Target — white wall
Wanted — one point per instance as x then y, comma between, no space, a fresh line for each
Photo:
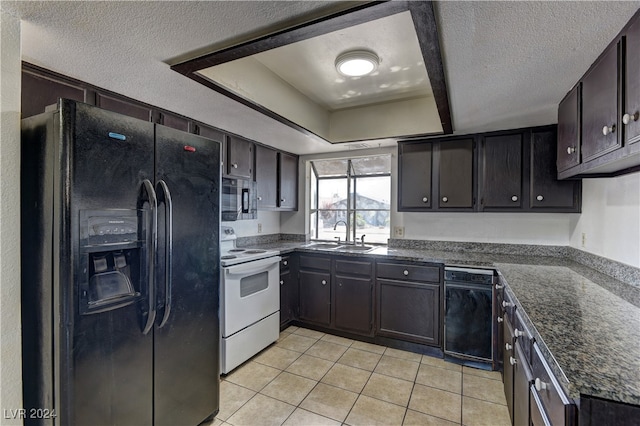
270,222
10,352
610,219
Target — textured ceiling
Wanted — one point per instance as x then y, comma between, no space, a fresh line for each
508,64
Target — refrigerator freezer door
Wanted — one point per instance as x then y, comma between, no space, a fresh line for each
186,350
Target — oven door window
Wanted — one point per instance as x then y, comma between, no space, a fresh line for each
254,284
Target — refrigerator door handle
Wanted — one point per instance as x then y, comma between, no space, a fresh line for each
165,197
148,194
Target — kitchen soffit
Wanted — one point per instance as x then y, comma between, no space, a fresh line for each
290,75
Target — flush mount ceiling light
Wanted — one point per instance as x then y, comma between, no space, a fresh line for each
357,63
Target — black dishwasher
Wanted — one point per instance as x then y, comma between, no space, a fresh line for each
468,325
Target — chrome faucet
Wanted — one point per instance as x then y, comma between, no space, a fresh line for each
345,224
362,240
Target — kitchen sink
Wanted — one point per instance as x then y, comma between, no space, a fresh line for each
323,246
355,248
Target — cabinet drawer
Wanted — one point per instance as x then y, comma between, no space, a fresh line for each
526,339
508,308
398,271
284,263
314,262
353,267
555,404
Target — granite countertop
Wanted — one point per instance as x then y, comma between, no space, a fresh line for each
586,323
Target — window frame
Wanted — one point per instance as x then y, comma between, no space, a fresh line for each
352,208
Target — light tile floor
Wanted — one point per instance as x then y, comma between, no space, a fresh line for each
312,378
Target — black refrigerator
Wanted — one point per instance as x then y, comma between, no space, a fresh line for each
120,270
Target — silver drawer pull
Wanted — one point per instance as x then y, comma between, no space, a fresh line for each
324,282
540,385
281,282
518,333
629,118
571,150
607,130
235,165
445,199
425,199
512,360
285,263
500,319
539,198
514,198
506,304
499,286
405,272
508,347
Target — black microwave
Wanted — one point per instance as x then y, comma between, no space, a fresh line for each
239,200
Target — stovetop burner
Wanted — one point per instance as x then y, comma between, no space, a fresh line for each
227,257
255,251
237,250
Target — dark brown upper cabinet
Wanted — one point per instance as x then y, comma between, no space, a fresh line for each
414,171
124,106
287,181
456,174
568,149
438,169
239,157
546,192
38,92
600,129
631,111
605,106
276,179
501,172
174,121
267,177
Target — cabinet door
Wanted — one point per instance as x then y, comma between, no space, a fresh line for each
39,92
267,177
501,171
600,107
123,106
285,297
632,84
409,311
239,157
508,355
288,182
456,174
522,378
315,297
568,148
414,169
353,304
174,121
547,192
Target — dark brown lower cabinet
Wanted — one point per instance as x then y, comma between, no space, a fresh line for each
315,297
353,304
409,311
522,378
508,354
597,412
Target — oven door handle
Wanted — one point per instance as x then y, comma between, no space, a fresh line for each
253,266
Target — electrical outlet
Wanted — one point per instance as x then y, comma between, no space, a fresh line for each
584,239
398,231
259,228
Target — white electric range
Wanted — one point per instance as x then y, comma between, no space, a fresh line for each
249,300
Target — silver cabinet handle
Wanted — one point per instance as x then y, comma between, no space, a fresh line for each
539,198
259,198
425,199
405,272
630,118
324,282
506,304
340,284
500,319
540,385
512,360
282,200
285,263
606,130
281,282
571,150
445,199
499,286
235,165
518,333
508,346
514,198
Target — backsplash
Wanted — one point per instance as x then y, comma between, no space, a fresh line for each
493,248
620,271
269,238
